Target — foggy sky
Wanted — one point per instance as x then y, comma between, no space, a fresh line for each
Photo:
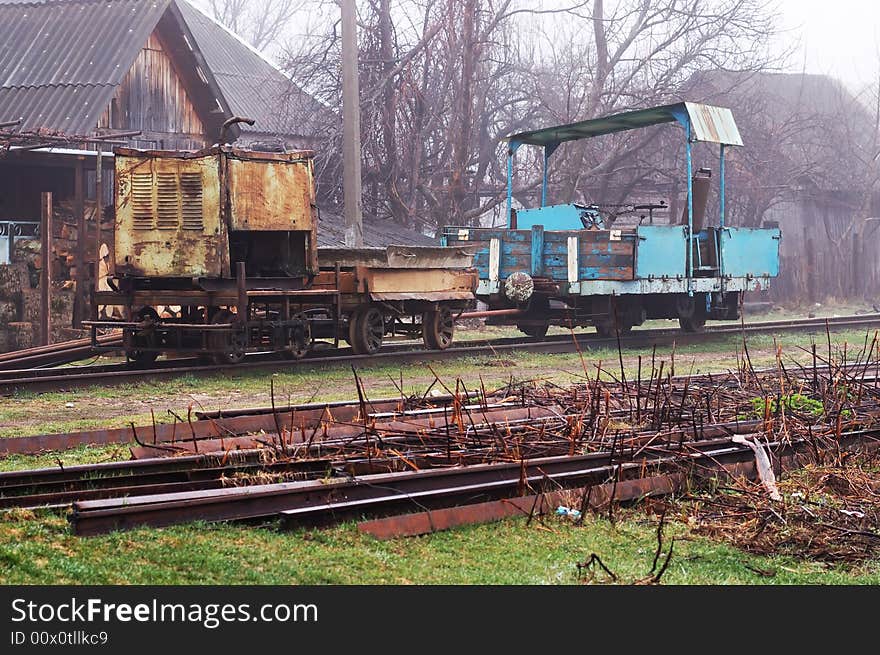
839,38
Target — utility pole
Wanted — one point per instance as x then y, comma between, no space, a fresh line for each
351,129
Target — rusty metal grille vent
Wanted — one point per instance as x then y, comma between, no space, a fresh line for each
191,201
142,200
167,201
177,201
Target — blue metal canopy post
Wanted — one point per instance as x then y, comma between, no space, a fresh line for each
690,196
511,149
721,187
549,149
544,179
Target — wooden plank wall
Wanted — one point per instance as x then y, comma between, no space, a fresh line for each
152,98
599,257
821,256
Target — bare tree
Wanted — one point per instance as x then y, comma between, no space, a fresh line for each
443,81
261,23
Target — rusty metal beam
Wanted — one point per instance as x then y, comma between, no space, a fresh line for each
410,525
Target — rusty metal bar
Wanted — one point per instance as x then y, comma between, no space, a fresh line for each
491,312
58,353
410,525
115,135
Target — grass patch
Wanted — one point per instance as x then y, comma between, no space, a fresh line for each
86,454
41,550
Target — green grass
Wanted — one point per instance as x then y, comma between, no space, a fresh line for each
87,454
42,551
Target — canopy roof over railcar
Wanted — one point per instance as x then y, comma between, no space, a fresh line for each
707,123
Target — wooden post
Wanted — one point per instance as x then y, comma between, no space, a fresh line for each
45,268
854,286
351,129
81,241
812,292
99,213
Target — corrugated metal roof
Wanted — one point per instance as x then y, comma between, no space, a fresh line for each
60,61
377,233
713,124
252,86
708,123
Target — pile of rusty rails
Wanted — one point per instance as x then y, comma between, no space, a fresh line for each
63,352
110,374
475,455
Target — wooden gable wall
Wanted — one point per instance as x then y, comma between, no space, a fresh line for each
152,98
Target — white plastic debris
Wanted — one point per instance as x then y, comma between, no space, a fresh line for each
762,461
68,405
562,510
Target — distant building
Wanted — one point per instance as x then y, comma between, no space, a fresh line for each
809,164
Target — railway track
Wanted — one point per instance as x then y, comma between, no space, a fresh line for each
113,374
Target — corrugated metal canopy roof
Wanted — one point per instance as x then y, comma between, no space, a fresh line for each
708,123
60,61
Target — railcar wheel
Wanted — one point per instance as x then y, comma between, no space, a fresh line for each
144,339
300,338
438,328
691,313
692,324
538,307
366,327
534,331
606,328
229,347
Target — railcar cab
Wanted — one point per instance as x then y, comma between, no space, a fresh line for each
585,270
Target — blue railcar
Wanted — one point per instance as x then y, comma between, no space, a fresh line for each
562,265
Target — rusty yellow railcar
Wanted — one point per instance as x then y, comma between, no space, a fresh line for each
215,254
191,215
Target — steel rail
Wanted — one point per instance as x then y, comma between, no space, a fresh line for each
107,375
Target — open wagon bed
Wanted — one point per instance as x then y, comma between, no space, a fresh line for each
399,290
